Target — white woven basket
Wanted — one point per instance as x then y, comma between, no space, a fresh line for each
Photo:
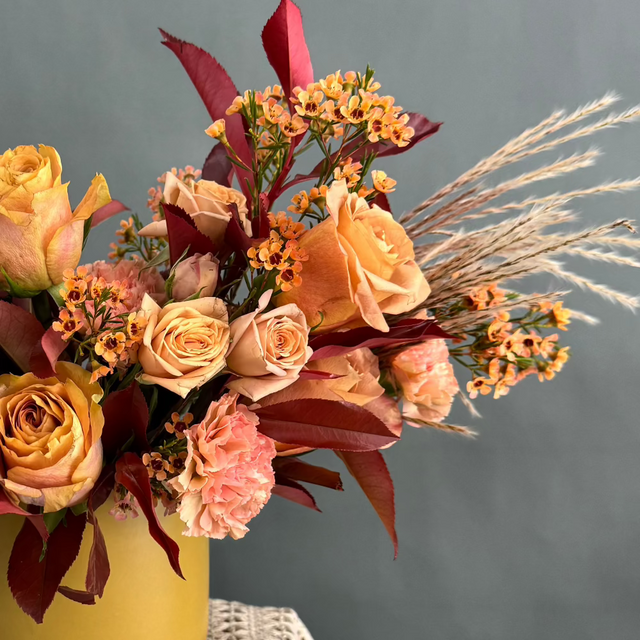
236,621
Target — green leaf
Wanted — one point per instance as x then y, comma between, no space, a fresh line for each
52,520
158,260
15,289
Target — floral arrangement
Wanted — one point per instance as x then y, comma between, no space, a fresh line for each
250,322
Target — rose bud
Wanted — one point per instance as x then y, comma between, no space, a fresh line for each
197,274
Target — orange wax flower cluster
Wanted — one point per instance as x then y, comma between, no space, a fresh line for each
506,356
281,251
91,316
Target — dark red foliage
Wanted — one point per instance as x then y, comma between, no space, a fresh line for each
125,414
184,235
324,424
328,345
132,475
34,582
370,471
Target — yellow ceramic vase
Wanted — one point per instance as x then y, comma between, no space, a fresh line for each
143,599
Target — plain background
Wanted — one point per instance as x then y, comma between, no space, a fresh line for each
530,532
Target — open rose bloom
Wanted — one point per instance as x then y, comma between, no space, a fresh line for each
268,309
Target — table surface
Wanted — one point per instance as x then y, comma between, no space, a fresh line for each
237,621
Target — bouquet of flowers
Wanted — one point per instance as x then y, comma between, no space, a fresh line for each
253,321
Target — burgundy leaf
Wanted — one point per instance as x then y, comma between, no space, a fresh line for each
235,236
99,569
46,352
308,374
217,167
424,129
183,234
286,48
33,582
217,91
133,475
291,490
382,201
81,597
8,508
102,488
324,424
407,331
371,473
108,211
125,414
294,469
20,332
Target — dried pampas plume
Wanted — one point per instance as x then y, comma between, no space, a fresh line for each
455,261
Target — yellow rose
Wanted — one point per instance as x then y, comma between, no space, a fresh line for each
207,203
41,236
361,266
184,343
268,350
50,437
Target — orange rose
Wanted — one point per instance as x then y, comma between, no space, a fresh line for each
184,343
50,437
268,350
41,237
361,266
356,382
207,202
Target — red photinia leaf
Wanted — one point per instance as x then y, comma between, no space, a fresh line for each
183,234
125,414
8,508
371,473
217,91
424,129
106,212
99,569
217,167
286,48
291,490
308,374
294,469
46,352
103,487
132,475
324,424
20,332
382,201
33,582
407,331
81,597
235,236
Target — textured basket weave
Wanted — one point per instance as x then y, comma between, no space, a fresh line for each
236,621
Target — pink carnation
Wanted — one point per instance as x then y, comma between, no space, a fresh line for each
427,381
137,282
228,475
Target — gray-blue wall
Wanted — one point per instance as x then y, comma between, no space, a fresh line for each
532,531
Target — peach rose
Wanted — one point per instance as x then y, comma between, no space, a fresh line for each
41,236
184,343
207,202
361,266
268,350
427,381
197,274
228,475
357,378
50,437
